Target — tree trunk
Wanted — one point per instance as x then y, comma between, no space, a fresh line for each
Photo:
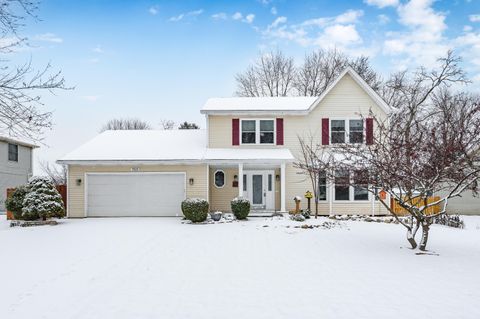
316,208
425,230
411,238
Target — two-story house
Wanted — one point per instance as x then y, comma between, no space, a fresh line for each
248,149
16,158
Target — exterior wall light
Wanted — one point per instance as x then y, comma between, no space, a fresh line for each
191,181
78,181
277,178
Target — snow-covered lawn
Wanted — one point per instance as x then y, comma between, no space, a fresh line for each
160,268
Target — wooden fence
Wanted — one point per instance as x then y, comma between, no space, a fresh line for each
62,189
399,210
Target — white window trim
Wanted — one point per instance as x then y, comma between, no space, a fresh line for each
215,180
257,131
347,129
351,194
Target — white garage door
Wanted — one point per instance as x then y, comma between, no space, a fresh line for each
135,194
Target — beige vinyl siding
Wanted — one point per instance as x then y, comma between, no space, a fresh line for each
346,100
76,194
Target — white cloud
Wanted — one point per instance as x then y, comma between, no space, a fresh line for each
467,28
219,16
335,31
383,19
339,36
185,15
98,49
153,10
278,21
274,11
249,18
423,41
48,37
474,17
349,16
382,3
237,16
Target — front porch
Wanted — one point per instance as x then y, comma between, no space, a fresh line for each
254,173
262,184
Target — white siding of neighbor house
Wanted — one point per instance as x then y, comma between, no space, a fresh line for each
76,194
13,174
346,100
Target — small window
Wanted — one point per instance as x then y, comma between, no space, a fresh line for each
244,182
322,187
342,185
356,131
338,131
13,152
219,179
267,129
248,132
269,182
360,188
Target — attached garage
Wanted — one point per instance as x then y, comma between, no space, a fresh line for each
134,194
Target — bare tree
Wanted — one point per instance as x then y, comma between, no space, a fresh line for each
167,124
21,109
271,75
126,124
56,173
188,126
428,145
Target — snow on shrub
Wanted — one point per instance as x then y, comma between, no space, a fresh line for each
195,209
42,201
240,207
15,202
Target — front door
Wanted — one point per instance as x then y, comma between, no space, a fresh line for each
259,189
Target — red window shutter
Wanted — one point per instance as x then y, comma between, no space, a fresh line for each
369,131
325,131
235,132
279,131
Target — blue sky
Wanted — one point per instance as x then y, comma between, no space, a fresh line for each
162,59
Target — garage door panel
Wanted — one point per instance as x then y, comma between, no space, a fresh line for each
135,194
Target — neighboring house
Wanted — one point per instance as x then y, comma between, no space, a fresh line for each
15,165
248,149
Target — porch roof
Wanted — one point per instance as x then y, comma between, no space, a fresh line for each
245,155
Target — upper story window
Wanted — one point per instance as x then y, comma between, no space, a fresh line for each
338,131
347,130
258,131
219,179
13,152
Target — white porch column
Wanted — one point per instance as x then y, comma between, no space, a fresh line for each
240,180
282,188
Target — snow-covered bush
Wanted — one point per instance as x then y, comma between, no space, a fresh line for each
42,201
240,207
306,213
15,202
297,217
195,209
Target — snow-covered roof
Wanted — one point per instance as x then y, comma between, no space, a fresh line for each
290,103
286,105
141,145
152,146
16,140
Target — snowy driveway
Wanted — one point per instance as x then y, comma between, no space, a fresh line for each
160,268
